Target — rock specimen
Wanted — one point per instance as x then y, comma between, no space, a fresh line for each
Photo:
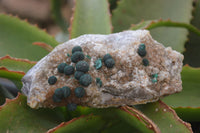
125,68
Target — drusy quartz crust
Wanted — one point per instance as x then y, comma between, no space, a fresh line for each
135,69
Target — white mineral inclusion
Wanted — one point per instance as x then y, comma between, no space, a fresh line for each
129,82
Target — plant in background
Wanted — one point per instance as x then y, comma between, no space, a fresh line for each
18,55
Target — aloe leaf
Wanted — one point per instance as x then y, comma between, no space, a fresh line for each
16,64
17,36
151,24
192,53
165,118
16,116
14,76
90,17
133,11
44,45
57,15
107,120
186,103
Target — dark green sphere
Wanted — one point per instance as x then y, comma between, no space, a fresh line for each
85,80
61,67
78,74
82,66
52,80
71,106
77,56
79,92
58,95
145,62
107,56
66,91
76,48
142,50
69,70
110,63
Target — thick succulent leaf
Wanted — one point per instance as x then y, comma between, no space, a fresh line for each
16,116
90,17
57,15
192,54
14,76
187,102
16,64
165,118
133,11
17,36
107,120
151,24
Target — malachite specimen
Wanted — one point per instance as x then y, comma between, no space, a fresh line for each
154,78
71,106
76,48
66,91
109,63
142,50
61,67
68,70
77,56
58,95
85,80
99,82
87,56
98,64
82,66
52,80
145,62
78,74
106,56
79,92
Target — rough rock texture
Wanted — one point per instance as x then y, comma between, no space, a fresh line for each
129,82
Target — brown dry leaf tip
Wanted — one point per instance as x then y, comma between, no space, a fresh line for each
127,82
17,59
169,109
141,117
63,124
49,48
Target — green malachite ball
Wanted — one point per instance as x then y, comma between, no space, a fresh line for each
82,66
107,56
109,63
68,70
76,48
98,64
79,92
66,91
77,56
61,67
85,80
145,62
52,80
58,95
71,106
142,50
78,74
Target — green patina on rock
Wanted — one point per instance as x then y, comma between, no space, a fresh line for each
98,64
154,78
99,82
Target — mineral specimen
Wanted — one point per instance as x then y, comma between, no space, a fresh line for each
129,81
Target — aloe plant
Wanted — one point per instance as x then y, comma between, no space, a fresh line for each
23,44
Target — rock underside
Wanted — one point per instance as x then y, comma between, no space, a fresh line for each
134,79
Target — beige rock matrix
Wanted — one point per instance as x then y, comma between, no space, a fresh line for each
125,68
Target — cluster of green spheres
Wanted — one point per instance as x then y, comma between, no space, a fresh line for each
142,50
108,61
61,93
